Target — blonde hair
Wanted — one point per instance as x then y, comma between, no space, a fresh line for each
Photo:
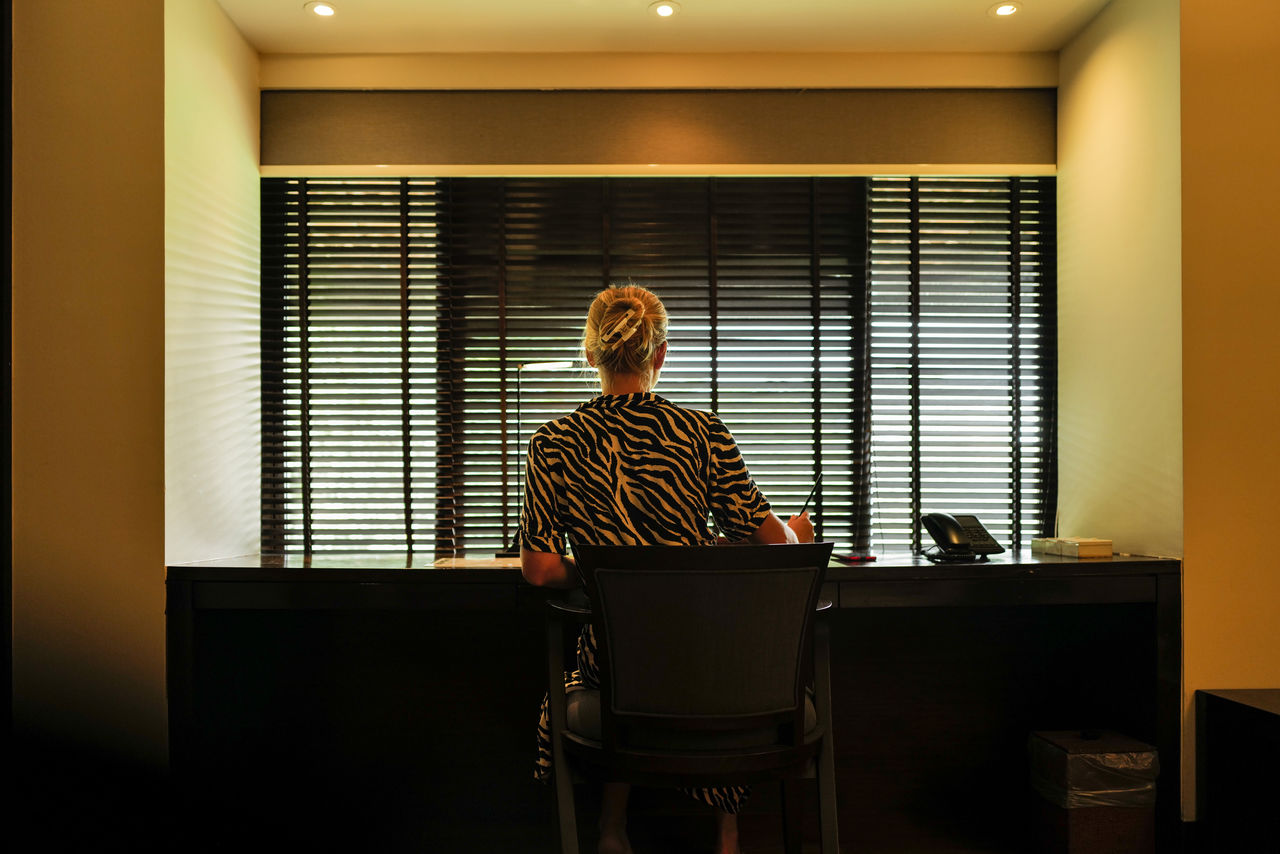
626,325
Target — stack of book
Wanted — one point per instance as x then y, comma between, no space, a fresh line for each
1071,546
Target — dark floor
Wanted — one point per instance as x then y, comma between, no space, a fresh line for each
102,808
73,801
76,804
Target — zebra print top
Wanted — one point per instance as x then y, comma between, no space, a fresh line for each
634,469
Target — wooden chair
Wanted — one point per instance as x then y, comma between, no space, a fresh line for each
704,652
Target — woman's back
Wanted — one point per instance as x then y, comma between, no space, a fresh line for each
635,469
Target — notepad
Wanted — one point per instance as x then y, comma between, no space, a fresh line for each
1083,547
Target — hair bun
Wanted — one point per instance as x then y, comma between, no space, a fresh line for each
625,325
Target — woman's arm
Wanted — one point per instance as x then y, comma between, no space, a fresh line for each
735,499
548,569
797,530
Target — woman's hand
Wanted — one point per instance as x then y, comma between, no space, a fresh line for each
802,527
798,530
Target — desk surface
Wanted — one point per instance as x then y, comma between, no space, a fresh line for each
1263,699
399,568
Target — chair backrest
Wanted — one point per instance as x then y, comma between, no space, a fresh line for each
702,637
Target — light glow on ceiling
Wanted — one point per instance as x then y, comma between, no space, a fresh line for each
324,10
1003,10
664,8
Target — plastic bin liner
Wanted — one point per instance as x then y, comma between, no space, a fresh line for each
1076,769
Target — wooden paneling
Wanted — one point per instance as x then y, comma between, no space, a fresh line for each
957,127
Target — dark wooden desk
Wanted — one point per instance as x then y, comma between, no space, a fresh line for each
938,668
1237,756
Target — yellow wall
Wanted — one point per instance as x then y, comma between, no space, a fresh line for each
1119,279
88,383
212,334
105,256
1231,299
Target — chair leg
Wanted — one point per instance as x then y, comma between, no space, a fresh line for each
827,800
826,771
556,718
565,811
792,825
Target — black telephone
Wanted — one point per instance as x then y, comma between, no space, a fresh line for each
959,538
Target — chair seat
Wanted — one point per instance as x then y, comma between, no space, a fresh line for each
583,720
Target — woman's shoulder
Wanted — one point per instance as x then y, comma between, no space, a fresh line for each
552,430
705,417
586,417
557,425
604,410
659,401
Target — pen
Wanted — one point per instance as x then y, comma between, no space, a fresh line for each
812,492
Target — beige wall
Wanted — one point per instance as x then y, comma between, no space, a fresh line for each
212,386
1231,299
88,383
1119,280
1165,405
1119,283
1120,440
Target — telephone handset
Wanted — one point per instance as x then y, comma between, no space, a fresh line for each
959,537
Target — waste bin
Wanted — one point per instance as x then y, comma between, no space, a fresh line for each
1096,792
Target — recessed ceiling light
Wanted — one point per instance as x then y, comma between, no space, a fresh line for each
664,8
1003,10
324,10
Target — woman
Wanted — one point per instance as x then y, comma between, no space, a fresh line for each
629,468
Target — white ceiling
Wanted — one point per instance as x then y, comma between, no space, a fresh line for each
701,26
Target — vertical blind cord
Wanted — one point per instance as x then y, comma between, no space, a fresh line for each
815,348
1015,345
713,290
406,443
914,278
503,438
304,353
1047,313
448,440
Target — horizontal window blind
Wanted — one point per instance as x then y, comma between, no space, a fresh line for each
407,324
963,353
348,359
762,280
